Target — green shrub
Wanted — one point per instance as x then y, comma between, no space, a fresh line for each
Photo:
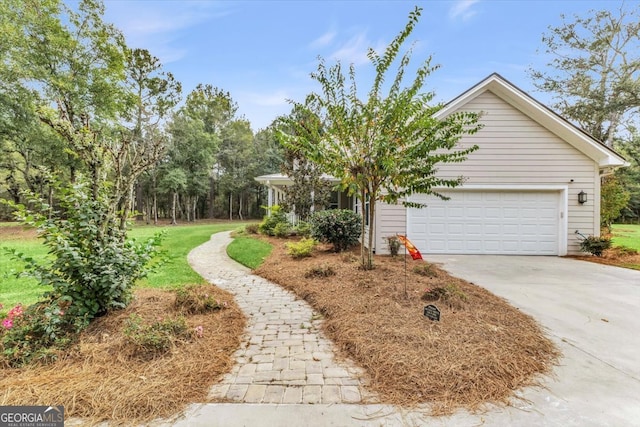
303,248
394,245
251,228
320,271
155,338
595,245
197,300
282,229
340,227
303,229
274,217
93,265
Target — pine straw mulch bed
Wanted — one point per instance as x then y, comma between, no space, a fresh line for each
616,256
104,378
481,351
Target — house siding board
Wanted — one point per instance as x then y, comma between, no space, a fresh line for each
391,220
516,150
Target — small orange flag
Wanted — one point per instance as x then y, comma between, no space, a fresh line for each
413,251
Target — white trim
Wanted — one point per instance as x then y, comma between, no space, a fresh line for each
506,187
597,191
563,204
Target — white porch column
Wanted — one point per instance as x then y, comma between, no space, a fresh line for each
269,197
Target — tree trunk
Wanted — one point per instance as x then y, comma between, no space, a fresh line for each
126,207
155,199
139,207
372,210
173,207
195,208
212,197
363,214
50,201
231,206
240,207
180,210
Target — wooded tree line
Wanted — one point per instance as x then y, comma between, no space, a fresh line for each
75,99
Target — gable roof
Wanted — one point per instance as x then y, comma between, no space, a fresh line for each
544,116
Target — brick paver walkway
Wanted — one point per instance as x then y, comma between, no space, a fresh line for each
284,357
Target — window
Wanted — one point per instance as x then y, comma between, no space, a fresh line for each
334,200
366,210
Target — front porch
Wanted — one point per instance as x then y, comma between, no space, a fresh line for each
276,194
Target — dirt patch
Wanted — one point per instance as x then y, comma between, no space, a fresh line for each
102,379
481,351
17,232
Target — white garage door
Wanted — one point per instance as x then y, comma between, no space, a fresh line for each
486,222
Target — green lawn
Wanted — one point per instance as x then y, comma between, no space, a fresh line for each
14,290
248,251
627,235
177,243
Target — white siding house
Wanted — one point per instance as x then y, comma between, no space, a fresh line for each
521,190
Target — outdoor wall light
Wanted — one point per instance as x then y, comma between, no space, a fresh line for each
582,197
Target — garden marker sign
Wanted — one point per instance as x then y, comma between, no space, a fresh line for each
432,312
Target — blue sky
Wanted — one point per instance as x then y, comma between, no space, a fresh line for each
263,52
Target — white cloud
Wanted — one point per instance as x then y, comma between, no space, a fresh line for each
462,9
354,51
324,40
156,28
273,99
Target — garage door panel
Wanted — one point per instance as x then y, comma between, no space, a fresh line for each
511,230
474,245
495,213
473,213
492,246
491,229
454,212
509,197
548,213
470,197
510,212
492,222
436,245
511,245
473,230
456,229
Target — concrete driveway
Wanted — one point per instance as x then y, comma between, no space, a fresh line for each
592,312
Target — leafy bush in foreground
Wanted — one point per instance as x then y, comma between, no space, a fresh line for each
91,268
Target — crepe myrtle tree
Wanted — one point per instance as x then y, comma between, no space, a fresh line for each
386,147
